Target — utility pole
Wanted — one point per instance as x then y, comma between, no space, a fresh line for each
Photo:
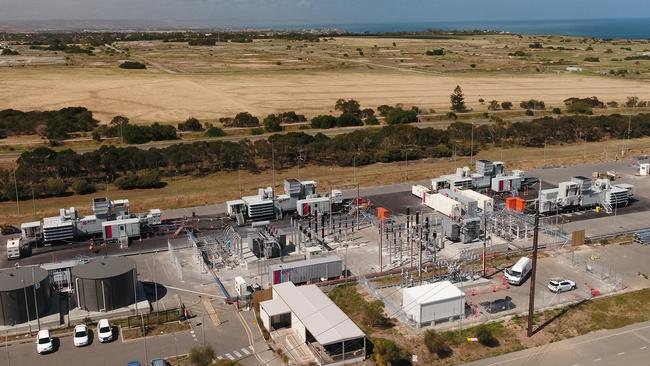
273,175
239,179
471,154
484,236
381,234
33,200
38,318
531,299
357,206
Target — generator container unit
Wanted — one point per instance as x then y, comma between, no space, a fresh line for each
308,188
628,187
24,294
644,169
89,226
485,168
470,229
13,248
261,206
444,205
337,196
433,303
154,217
105,284
313,206
31,230
617,196
506,183
438,184
121,229
469,206
548,200
293,187
121,207
419,191
235,207
58,228
285,203
481,181
568,195
101,207
484,202
307,271
583,182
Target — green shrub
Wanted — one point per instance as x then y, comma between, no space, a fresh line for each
436,344
371,121
592,59
400,116
257,131
323,121
215,132
529,112
385,352
485,337
201,356
147,179
557,110
133,65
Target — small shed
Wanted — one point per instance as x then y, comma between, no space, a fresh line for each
433,303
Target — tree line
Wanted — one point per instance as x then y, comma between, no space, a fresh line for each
51,172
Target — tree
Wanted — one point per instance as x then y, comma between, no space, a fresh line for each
436,344
384,109
371,121
458,100
272,123
632,102
201,356
533,104
494,105
347,119
351,107
506,105
119,122
323,121
191,124
82,186
400,116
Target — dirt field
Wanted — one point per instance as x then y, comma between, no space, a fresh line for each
151,96
269,76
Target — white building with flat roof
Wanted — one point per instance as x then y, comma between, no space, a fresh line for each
433,303
329,333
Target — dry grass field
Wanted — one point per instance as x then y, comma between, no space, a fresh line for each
269,76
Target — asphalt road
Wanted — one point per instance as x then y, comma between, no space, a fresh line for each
629,346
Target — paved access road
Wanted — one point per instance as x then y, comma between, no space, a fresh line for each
629,346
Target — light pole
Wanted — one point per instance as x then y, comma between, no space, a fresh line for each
38,318
16,187
176,183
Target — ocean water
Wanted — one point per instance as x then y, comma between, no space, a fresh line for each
637,28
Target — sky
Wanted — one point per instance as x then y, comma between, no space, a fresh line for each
251,12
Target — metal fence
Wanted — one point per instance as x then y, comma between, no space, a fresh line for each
596,268
159,317
174,259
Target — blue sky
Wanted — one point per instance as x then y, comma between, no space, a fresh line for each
232,12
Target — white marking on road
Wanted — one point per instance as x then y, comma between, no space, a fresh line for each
620,354
245,351
191,332
644,347
230,356
237,354
596,359
252,349
575,364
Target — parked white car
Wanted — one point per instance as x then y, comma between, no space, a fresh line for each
44,342
561,285
80,335
104,331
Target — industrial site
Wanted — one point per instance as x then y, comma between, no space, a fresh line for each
480,244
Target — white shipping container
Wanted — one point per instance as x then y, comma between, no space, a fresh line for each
128,228
483,202
313,205
443,204
419,191
435,302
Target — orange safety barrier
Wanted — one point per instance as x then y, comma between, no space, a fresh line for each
382,213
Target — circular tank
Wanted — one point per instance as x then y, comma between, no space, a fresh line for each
24,292
105,284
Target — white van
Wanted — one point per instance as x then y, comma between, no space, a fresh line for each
518,273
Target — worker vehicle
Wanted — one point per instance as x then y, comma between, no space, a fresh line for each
44,342
517,274
81,335
104,331
561,285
